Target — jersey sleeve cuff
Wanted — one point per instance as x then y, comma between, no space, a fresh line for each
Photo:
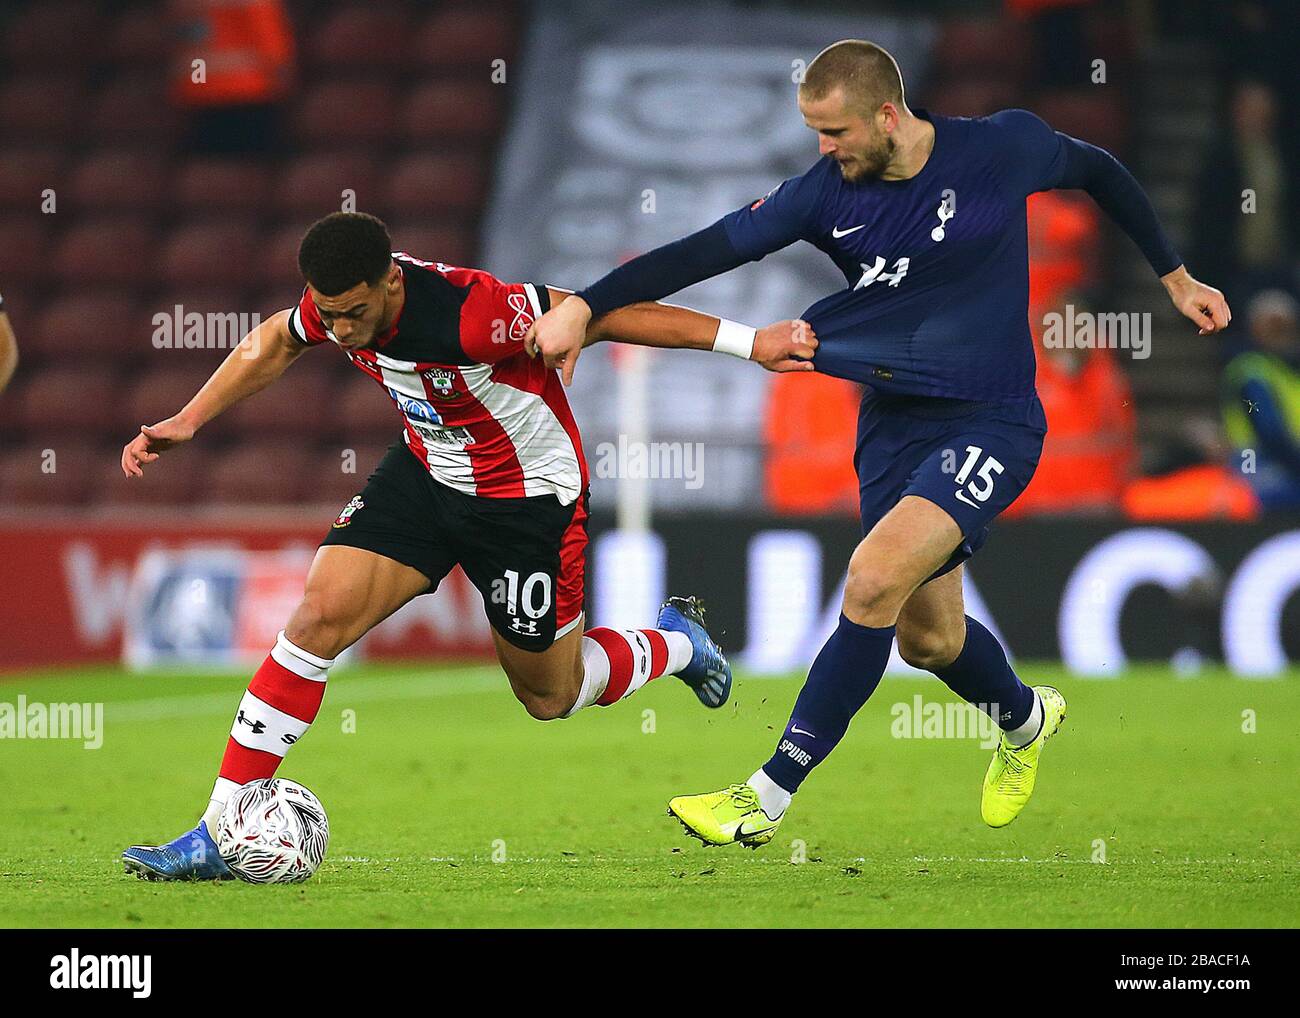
296,329
539,298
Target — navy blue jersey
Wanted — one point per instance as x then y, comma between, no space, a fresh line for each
937,266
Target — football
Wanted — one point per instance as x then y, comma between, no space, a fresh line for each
273,831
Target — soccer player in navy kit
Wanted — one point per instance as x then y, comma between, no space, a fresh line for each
925,216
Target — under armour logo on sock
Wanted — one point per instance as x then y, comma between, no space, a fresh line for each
257,726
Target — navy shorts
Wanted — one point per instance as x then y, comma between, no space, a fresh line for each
972,460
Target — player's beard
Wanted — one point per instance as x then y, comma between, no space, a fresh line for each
870,163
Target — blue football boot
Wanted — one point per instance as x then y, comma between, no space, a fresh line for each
708,674
192,856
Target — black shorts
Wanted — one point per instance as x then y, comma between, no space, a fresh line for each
526,556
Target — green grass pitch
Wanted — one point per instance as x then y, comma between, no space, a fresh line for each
449,806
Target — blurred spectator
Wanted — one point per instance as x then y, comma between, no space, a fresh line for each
1062,231
247,51
1248,249
8,348
1207,491
1090,451
1261,400
1190,478
810,432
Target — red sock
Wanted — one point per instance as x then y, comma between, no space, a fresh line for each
281,703
618,662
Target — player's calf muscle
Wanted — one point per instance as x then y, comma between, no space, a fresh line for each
932,624
546,706
547,682
931,647
538,686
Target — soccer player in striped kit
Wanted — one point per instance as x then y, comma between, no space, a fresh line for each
925,217
489,475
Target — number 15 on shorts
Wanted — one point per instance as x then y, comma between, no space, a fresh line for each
976,491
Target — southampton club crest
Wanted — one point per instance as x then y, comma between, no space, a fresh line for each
443,382
345,517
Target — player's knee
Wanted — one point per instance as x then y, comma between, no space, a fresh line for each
872,594
547,688
929,649
544,706
318,625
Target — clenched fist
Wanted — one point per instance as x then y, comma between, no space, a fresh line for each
558,336
785,346
1202,303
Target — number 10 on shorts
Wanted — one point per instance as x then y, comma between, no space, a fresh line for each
981,487
527,596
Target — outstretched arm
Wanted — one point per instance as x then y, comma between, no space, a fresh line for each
781,346
774,221
1039,159
559,334
260,358
1121,197
665,270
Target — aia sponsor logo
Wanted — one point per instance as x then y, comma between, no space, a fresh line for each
418,410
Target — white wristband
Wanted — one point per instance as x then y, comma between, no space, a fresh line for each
734,338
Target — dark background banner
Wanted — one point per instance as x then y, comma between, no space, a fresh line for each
1022,574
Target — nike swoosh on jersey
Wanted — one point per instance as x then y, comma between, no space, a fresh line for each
836,232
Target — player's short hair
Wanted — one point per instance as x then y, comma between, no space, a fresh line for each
868,74
344,249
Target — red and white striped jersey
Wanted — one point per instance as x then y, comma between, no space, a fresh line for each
480,414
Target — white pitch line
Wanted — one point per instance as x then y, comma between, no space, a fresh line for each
397,686
1109,862
683,859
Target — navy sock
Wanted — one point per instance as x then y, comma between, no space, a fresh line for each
846,672
982,675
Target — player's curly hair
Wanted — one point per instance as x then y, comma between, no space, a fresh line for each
344,249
